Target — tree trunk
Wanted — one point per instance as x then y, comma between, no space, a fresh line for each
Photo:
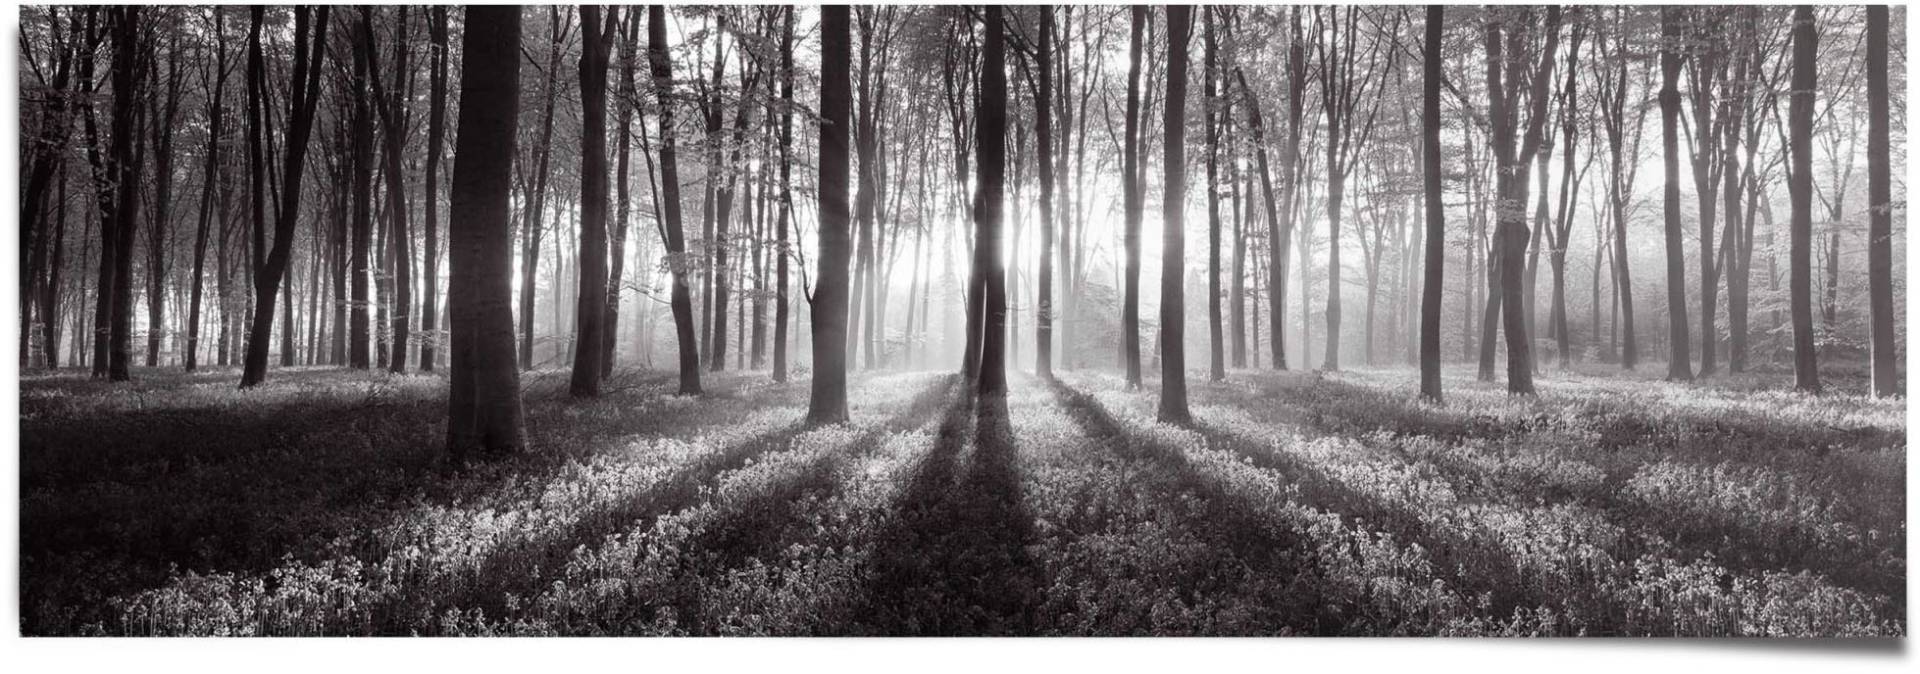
590,309
990,178
1806,374
436,139
1173,357
308,54
1886,378
1679,365
1216,332
1134,202
828,404
1436,215
483,409
1043,135
781,252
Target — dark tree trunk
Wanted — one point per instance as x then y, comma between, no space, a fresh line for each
483,399
590,307
1173,344
661,67
360,328
212,181
1216,332
781,252
308,53
1886,378
128,69
1679,362
1436,215
990,178
623,210
1134,203
1279,232
1806,373
828,404
393,122
1043,136
436,139
536,204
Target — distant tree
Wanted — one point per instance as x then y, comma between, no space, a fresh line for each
1507,60
829,402
483,399
660,66
310,38
1344,83
628,98
1173,361
1623,151
534,196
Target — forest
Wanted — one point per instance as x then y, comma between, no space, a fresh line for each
1453,320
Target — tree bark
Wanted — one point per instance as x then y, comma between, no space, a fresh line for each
1436,215
590,309
1173,357
1134,202
828,404
1806,373
1886,376
1679,365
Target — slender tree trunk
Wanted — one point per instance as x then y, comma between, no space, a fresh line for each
1134,204
781,252
590,310
1216,333
1436,214
308,56
1806,373
1043,135
990,180
430,320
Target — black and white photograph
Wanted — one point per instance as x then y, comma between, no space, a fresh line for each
1254,320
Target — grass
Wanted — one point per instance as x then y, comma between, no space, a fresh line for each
1328,504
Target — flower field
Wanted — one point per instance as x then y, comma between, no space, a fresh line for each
1297,503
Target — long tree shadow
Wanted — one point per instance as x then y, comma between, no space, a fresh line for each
1350,411
953,561
521,569
240,486
1229,521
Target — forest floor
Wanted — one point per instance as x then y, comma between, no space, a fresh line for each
1298,503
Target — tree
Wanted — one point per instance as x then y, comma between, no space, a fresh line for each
617,246
1344,81
1679,365
1511,234
990,176
162,118
781,252
535,204
1173,361
1043,135
310,38
1279,230
392,108
1436,213
1806,373
1886,381
436,140
1134,202
828,404
360,335
215,129
661,68
591,306
1623,151
1217,356
483,398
